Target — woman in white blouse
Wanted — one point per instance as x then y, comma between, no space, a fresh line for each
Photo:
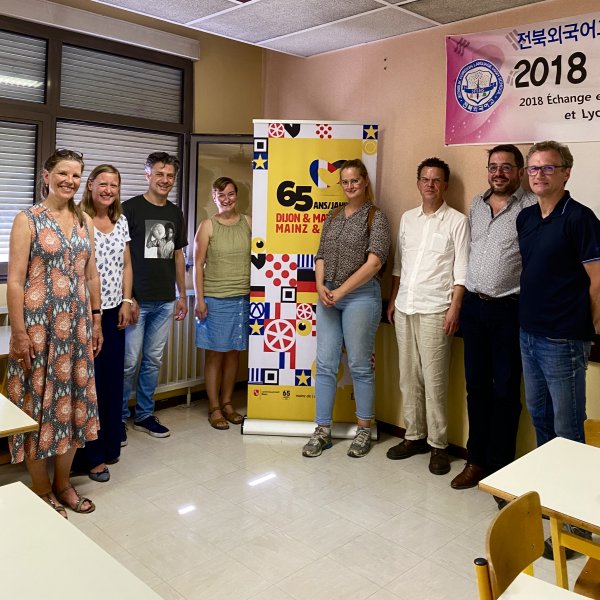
101,200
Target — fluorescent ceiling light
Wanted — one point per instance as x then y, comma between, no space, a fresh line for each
20,81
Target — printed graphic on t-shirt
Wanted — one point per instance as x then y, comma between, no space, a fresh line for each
160,239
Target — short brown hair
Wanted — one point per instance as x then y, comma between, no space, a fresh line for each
222,182
565,154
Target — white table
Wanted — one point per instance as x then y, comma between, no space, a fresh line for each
13,419
566,476
42,555
4,340
525,587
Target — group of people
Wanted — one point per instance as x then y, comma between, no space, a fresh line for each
91,295
520,277
93,288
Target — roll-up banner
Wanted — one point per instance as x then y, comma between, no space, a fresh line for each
295,185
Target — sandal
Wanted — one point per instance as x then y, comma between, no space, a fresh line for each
233,416
217,422
100,476
80,501
51,501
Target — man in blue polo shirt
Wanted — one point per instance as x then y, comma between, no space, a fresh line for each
559,311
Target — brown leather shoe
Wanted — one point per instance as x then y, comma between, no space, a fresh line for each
439,463
470,476
407,448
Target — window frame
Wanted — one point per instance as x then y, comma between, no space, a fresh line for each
45,115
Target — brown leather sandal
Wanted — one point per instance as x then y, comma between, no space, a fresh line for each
217,422
52,501
233,416
77,506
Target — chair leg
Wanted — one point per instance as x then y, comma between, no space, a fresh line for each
482,575
588,582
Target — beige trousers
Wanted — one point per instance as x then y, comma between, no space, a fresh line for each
424,351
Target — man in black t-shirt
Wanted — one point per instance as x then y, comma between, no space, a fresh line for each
158,234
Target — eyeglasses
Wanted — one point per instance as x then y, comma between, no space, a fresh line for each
545,169
504,168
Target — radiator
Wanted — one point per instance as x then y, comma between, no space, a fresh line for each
183,363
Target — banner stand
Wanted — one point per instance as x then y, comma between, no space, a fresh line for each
305,429
296,174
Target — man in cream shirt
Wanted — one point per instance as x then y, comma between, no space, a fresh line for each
428,282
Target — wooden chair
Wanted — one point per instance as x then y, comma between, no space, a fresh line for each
515,539
588,582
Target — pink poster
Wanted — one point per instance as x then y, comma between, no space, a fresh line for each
536,82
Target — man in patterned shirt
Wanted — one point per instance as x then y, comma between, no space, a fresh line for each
427,291
489,319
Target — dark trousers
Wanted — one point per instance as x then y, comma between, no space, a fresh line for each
108,367
490,331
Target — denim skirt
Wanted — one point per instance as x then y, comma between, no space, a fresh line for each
226,326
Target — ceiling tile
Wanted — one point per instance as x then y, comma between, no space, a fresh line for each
181,11
443,11
268,19
376,25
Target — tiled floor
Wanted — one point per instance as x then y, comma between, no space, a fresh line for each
326,528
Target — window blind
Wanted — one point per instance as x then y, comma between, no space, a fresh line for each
118,85
22,67
17,175
126,149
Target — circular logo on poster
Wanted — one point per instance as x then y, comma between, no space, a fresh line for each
479,86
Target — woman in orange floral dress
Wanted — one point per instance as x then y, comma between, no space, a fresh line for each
53,296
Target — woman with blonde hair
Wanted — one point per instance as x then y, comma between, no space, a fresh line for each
354,245
101,200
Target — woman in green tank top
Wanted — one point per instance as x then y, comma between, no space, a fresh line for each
222,284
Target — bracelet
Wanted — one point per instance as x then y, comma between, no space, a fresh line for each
97,311
128,300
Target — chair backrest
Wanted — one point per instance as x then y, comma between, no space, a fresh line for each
515,539
592,432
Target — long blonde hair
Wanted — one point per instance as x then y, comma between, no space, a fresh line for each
115,210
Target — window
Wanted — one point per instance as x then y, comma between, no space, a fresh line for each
17,175
22,67
115,104
125,149
123,86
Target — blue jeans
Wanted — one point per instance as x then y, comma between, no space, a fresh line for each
353,321
554,373
148,336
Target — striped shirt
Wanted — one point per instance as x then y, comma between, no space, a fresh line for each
494,260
